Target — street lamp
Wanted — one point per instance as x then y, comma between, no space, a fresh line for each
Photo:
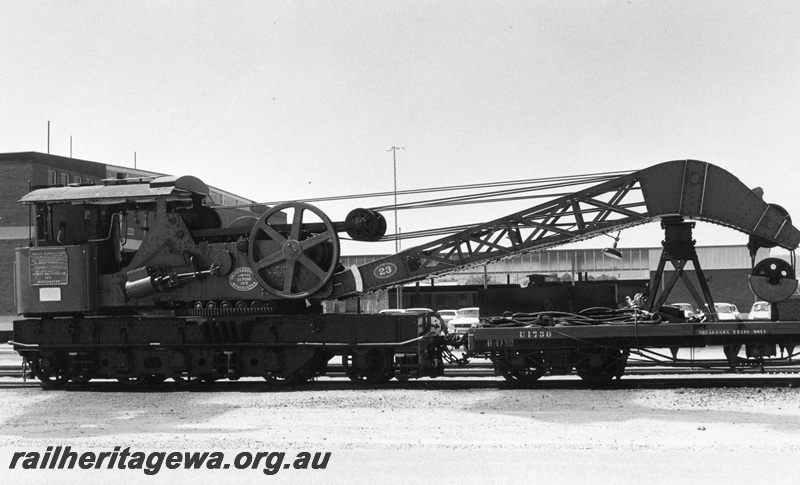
399,288
612,252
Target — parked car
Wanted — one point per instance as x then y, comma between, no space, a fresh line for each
447,315
418,310
392,311
688,311
727,311
465,319
761,310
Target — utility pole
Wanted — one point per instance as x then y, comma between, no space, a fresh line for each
396,232
399,288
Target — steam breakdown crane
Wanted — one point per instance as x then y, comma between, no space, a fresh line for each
139,280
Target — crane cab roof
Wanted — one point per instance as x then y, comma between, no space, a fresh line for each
114,191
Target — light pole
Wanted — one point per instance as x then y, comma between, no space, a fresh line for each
396,231
399,290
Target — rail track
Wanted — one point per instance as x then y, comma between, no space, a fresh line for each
453,379
484,370
480,373
461,383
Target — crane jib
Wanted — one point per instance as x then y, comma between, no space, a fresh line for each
688,189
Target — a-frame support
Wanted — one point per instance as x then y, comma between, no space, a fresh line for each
679,249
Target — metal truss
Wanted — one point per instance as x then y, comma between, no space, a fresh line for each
679,189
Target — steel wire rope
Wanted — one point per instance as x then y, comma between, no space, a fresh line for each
470,199
479,199
547,183
575,180
484,197
451,229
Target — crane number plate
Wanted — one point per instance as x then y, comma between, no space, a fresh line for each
385,270
243,279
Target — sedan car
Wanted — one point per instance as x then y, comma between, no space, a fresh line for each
418,310
465,319
761,311
447,315
687,309
727,311
392,311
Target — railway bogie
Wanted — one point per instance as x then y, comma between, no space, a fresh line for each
597,366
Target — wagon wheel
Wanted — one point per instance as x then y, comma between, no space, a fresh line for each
281,380
297,263
81,374
82,378
522,368
49,371
155,378
368,366
186,379
132,381
599,367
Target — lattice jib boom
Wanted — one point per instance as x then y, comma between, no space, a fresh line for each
689,189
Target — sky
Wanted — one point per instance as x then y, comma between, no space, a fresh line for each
277,100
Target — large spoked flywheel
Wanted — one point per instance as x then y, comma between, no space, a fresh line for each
293,250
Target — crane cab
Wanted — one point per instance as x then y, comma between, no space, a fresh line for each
83,231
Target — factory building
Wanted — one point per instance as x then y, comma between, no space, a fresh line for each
725,268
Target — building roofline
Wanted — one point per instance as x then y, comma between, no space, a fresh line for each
61,161
40,157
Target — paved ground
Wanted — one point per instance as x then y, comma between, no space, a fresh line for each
428,434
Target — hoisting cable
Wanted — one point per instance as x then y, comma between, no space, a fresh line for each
548,182
526,192
494,196
543,184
